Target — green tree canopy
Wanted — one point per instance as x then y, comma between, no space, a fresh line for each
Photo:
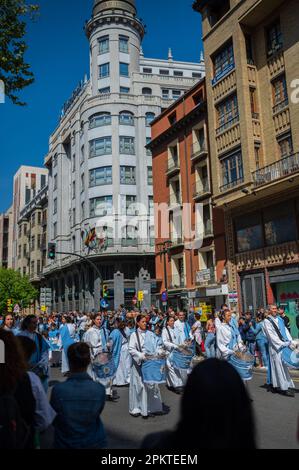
17,288
14,71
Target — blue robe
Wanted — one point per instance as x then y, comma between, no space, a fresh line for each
117,338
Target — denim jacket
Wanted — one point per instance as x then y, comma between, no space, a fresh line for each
79,403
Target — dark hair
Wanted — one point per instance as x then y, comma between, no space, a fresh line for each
27,345
226,421
4,318
26,322
14,368
79,356
140,317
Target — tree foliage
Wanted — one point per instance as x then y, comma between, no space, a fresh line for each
17,288
14,71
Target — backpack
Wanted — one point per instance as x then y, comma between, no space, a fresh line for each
14,432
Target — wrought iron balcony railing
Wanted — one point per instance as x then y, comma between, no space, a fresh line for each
284,167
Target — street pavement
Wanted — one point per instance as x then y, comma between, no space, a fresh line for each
276,417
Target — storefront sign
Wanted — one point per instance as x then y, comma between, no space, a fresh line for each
204,276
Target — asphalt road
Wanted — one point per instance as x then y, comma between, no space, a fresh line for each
276,418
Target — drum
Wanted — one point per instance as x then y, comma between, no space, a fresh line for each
154,371
181,359
103,367
290,358
243,363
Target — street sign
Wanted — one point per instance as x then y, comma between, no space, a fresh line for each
104,304
164,296
43,308
140,296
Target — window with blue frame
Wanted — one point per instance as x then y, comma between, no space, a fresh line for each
101,146
101,206
104,45
123,44
223,62
104,70
124,69
100,176
232,170
149,117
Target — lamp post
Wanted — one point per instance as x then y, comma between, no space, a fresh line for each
163,249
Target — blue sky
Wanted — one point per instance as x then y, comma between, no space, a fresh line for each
59,57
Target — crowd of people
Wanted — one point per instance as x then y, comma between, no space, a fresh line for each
101,351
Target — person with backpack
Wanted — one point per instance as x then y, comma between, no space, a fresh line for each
17,402
39,361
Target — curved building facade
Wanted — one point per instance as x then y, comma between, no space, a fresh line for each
100,173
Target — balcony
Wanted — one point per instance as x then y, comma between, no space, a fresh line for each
231,185
208,228
198,151
278,170
176,239
177,281
175,199
129,242
201,189
276,46
227,125
280,106
223,73
173,166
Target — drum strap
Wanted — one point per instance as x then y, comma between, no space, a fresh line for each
276,329
138,341
169,335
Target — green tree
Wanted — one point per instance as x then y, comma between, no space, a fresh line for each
17,288
14,71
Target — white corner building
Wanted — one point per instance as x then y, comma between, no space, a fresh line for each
99,166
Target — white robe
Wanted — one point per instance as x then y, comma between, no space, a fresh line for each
123,372
64,362
93,338
143,398
280,375
175,377
179,327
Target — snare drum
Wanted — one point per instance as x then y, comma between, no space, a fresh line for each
243,363
154,371
290,358
103,366
181,359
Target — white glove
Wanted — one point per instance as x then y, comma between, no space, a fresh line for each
293,345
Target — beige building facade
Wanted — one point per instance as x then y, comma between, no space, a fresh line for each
6,234
251,56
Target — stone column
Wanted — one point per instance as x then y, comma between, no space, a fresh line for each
143,283
119,289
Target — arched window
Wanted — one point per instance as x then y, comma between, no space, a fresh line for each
100,119
149,117
126,118
147,91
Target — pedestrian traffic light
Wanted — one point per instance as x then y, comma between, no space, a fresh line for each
52,251
105,292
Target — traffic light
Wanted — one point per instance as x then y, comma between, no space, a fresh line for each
52,251
9,306
105,292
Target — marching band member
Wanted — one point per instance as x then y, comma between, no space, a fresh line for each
228,336
144,399
184,335
97,337
120,351
175,381
279,338
67,334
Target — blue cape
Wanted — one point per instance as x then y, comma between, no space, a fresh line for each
66,338
152,342
116,337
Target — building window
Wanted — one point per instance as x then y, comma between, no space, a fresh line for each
172,118
82,183
164,72
232,171
228,113
104,45
147,91
249,232
127,175
131,205
55,206
99,120
124,90
127,145
39,244
249,51
196,75
280,224
124,69
104,91
176,94
101,206
286,146
104,70
280,94
253,103
150,176
100,176
102,146
33,220
148,151
39,218
149,117
32,268
165,94
82,155
257,155
123,44
74,217
74,189
74,163
55,183
126,118
55,160
83,210
55,230
43,181
178,73
33,243
223,62
147,70
274,38
151,205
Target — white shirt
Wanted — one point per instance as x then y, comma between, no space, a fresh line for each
134,349
44,414
173,344
223,338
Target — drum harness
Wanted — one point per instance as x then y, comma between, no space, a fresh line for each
278,332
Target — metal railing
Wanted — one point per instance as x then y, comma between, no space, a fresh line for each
280,106
177,281
201,187
126,242
284,167
232,184
206,277
228,124
208,228
223,73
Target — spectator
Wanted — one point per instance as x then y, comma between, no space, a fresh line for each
8,323
225,422
285,318
261,340
210,342
79,403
